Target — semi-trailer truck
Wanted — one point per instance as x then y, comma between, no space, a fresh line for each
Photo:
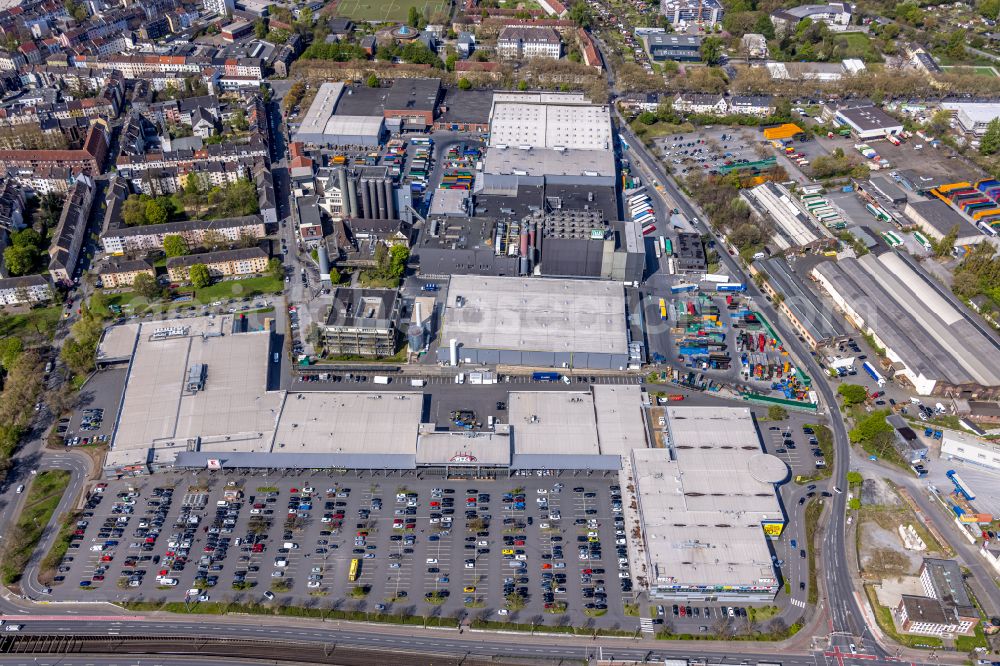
874,374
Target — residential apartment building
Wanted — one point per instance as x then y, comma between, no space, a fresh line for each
836,15
71,231
24,290
127,240
663,46
751,105
702,12
11,205
123,273
702,103
90,158
240,262
518,42
362,322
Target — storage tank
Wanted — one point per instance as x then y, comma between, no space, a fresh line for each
373,198
324,263
524,241
453,352
342,184
525,266
351,202
415,338
366,200
380,197
390,199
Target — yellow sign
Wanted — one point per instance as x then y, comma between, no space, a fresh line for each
774,529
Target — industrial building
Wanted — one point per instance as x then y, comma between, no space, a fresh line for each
868,122
958,445
547,138
973,117
565,243
535,322
811,320
887,189
708,506
689,253
937,219
946,608
669,46
411,104
794,229
363,322
363,192
931,341
323,127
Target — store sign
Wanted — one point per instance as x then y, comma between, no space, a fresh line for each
463,458
214,463
774,529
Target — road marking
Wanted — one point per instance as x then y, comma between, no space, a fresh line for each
646,624
799,603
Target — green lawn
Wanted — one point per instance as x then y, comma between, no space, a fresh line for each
982,70
235,289
393,10
44,493
858,46
34,325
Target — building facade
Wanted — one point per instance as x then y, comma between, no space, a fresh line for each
241,262
126,240
362,322
123,273
24,290
529,42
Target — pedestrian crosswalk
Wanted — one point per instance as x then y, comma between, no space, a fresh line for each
646,625
799,603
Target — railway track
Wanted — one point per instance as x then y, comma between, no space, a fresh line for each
205,646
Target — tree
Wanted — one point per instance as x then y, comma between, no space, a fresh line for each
10,349
145,285
711,50
174,246
276,269
777,413
373,79
464,84
990,143
580,14
134,210
853,394
413,18
944,245
239,121
199,276
155,212
260,29
398,256
870,428
522,85
20,260
26,238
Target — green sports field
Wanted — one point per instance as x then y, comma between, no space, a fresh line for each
388,10
981,70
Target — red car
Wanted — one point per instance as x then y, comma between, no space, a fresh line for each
107,558
519,542
588,571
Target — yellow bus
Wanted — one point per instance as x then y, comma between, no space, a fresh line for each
663,309
353,575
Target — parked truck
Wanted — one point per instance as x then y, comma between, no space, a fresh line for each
874,374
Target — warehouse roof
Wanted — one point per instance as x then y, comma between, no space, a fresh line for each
340,422
930,335
159,413
548,162
702,508
117,342
541,125
321,109
821,323
539,418
941,217
413,94
867,118
449,447
532,314
792,226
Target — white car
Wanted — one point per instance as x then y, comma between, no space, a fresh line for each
623,574
431,560
503,611
313,584
469,565
542,491
20,489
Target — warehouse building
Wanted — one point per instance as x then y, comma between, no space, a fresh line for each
363,192
708,507
887,189
811,320
958,445
547,138
931,341
323,127
536,322
937,219
868,122
793,227
689,253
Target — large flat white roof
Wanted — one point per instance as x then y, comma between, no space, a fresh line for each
549,162
977,112
553,422
550,125
118,342
159,413
321,109
703,501
341,422
536,314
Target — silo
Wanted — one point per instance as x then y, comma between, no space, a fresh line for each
390,199
373,198
380,197
345,208
453,352
324,263
366,202
524,240
525,266
352,197
415,338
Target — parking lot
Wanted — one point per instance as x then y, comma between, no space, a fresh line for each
518,548
709,149
93,420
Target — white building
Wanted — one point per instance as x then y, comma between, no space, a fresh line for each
836,15
220,7
24,290
517,42
702,103
701,12
957,445
751,105
973,117
868,122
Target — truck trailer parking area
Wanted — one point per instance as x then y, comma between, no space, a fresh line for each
532,546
